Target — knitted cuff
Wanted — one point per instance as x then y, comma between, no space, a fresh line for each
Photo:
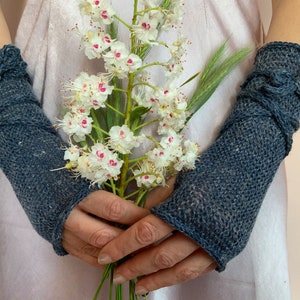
30,149
216,204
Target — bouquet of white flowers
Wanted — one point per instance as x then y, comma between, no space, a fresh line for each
108,114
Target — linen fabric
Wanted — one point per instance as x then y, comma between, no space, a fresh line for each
53,54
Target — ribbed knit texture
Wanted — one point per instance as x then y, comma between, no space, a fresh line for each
216,204
30,148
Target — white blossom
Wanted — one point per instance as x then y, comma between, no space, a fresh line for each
189,157
146,29
76,125
99,10
100,164
148,176
72,153
123,140
89,92
95,43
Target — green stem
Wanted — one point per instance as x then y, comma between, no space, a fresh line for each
146,84
120,90
114,109
137,159
105,275
146,123
129,196
153,140
156,63
140,200
123,22
100,130
97,126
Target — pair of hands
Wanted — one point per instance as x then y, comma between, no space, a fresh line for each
161,256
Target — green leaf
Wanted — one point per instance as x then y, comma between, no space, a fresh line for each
136,116
115,100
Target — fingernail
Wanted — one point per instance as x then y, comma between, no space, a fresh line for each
104,259
119,279
140,290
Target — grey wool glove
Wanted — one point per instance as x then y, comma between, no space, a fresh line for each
29,149
216,204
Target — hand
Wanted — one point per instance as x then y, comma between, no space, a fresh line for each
163,257
89,226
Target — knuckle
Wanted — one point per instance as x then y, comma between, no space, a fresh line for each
99,238
114,210
73,226
164,260
89,249
186,274
145,233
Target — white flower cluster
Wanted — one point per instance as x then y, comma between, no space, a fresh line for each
172,153
101,154
86,92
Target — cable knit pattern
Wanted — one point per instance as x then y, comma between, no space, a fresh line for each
30,148
216,204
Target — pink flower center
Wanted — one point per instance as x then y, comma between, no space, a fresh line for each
104,14
101,88
95,102
97,2
117,54
100,154
107,39
113,163
146,26
84,123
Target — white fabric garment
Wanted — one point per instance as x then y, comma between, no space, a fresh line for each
30,270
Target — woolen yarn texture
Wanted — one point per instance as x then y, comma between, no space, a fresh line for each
30,149
216,204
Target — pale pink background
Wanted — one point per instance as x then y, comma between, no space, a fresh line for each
293,177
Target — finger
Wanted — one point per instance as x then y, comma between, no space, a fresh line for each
89,229
160,194
71,240
111,207
141,234
82,255
197,264
163,256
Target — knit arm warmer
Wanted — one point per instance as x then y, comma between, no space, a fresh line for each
216,204
30,148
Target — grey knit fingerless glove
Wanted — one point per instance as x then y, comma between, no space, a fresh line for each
29,149
216,204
